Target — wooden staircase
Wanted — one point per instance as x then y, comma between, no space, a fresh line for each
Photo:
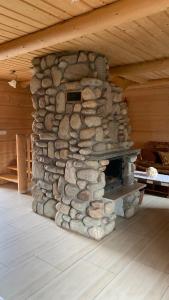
20,171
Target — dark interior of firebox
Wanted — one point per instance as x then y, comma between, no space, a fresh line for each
113,175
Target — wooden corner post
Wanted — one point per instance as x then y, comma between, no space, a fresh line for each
21,147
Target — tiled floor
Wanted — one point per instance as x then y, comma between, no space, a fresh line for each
40,261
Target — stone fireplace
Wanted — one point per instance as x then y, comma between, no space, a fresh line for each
83,163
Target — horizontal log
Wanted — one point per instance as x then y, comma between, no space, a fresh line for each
150,83
102,18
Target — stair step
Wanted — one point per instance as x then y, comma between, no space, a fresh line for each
9,177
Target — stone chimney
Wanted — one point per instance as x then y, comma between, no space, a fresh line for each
80,124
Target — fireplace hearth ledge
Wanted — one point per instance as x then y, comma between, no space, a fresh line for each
114,154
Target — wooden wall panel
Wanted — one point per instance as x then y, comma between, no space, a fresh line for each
149,114
15,117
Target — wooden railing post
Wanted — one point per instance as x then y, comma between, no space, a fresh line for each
21,146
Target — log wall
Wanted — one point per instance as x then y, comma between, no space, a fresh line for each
149,114
15,117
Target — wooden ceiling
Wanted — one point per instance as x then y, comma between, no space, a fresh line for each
139,41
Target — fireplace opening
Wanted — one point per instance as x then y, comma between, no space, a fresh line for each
113,174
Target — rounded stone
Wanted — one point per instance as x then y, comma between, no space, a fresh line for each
64,153
77,107
79,205
96,213
60,102
85,195
43,63
92,121
46,83
92,56
96,233
71,190
75,122
77,225
82,57
60,144
130,212
49,118
85,151
101,67
88,174
64,128
50,209
87,133
99,147
89,104
35,84
56,75
76,72
50,60
42,102
88,94
99,194
109,207
81,184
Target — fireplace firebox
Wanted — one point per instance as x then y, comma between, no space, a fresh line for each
114,175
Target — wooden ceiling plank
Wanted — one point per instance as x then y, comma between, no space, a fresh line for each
134,36
20,17
17,24
131,51
52,9
155,30
98,3
130,42
73,8
93,43
12,29
162,39
32,12
161,20
115,49
110,15
145,39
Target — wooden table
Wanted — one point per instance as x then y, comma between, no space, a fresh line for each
153,183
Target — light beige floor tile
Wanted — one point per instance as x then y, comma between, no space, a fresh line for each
8,234
15,251
148,223
156,254
136,282
67,250
21,282
27,221
3,270
115,253
81,281
165,295
156,202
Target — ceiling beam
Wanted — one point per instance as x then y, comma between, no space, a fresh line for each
102,18
127,71
150,83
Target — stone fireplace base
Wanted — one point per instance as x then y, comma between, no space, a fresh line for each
80,123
